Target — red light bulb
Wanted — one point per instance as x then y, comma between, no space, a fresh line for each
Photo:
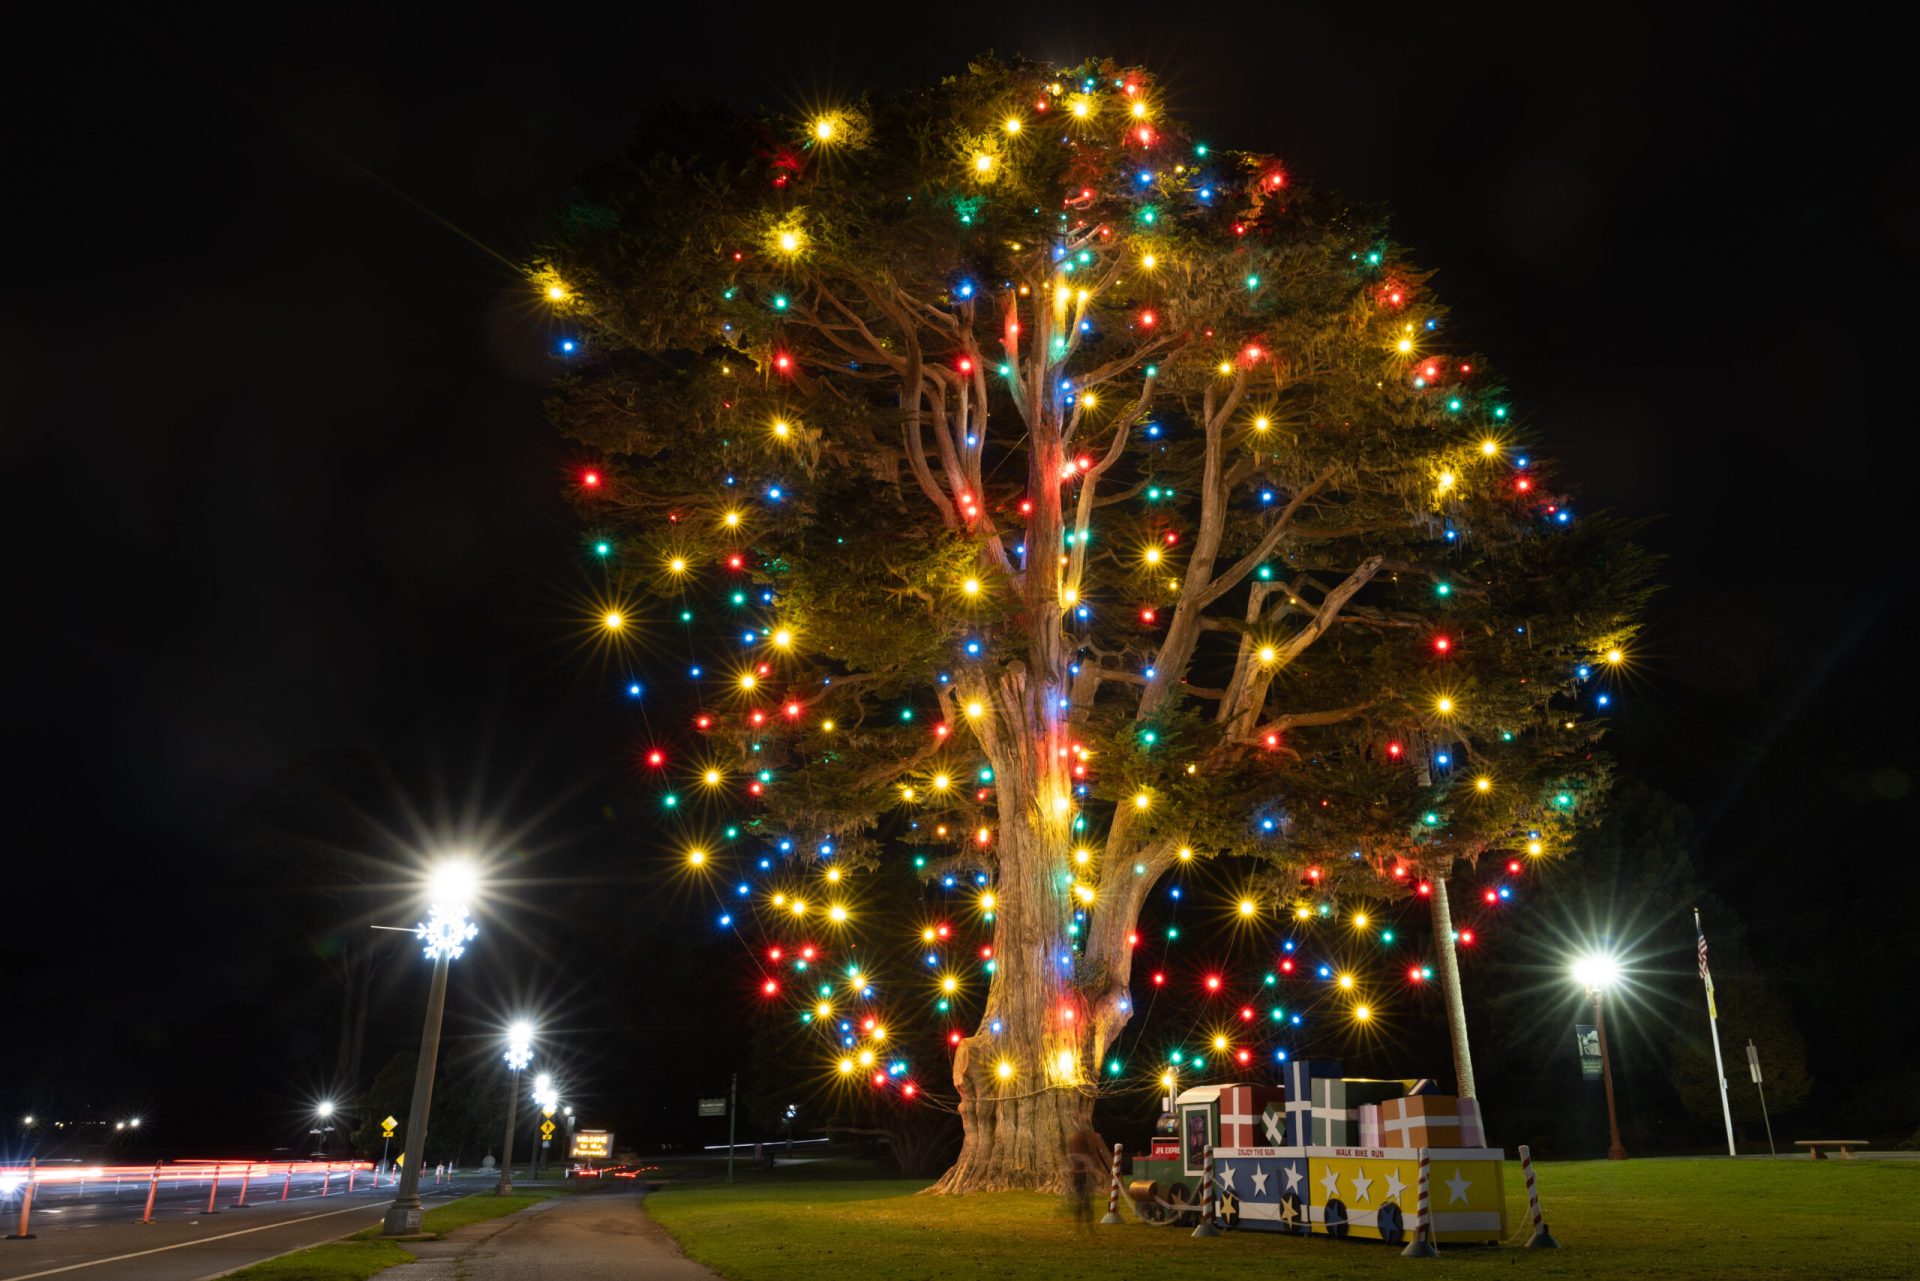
590,479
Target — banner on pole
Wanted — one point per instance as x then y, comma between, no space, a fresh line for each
1586,1040
713,1107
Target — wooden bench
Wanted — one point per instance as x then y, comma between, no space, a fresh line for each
1845,1147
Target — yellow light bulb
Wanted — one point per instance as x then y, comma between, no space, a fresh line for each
1011,124
1219,1042
1248,907
1084,893
1536,848
1070,595
1362,1013
949,984
614,620
976,709
1089,400
823,129
1141,800
1226,367
971,587
678,565
833,874
982,162
823,1011
1185,853
749,681
1489,447
906,793
1166,1079
827,726
1446,480
1082,297
1444,706
1360,920
1404,346
696,857
1346,982
1061,805
731,520
1483,784
1066,1063
783,638
1082,108
1268,654
1302,913
927,935
1082,856
1262,423
1004,1070
837,914
846,1065
779,900
941,782
987,902
866,1058
781,429
556,293
1615,656
1153,555
799,907
790,241
1149,261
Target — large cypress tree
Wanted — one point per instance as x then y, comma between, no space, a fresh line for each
1093,500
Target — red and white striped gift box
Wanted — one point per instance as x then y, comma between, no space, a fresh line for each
1241,1109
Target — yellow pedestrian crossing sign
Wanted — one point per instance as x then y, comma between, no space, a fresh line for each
387,1127
546,1129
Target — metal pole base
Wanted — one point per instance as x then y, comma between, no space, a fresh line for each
1206,1230
21,1236
1542,1239
1420,1248
1111,1220
505,1189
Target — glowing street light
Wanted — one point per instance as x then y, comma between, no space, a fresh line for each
1597,971
547,1095
451,888
519,1053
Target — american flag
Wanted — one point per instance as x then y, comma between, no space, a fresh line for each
1706,975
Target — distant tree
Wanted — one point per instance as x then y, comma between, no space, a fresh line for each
1753,1009
1098,501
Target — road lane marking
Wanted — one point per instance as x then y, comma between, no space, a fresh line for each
181,1245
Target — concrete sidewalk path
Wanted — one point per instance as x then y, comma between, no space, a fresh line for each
571,1238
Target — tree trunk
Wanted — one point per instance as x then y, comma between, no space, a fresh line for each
1450,987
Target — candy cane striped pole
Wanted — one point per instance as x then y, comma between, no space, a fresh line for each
1113,1191
26,1203
1541,1238
1421,1247
1206,1228
213,1189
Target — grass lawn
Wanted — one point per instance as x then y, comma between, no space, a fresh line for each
1644,1218
365,1253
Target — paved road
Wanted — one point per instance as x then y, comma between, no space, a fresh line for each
65,1207
186,1247
577,1238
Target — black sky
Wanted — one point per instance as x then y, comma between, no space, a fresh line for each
279,482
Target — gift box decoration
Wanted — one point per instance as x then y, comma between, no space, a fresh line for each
1336,1104
1300,1075
1431,1121
1369,1125
1244,1115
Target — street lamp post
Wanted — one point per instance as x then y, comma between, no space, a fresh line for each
1597,972
444,938
548,1099
519,1054
325,1129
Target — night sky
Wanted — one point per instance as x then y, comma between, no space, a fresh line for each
279,482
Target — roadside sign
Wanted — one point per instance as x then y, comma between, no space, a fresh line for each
387,1127
1753,1061
593,1144
713,1107
548,1110
546,1129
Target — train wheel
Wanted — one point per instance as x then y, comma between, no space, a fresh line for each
1392,1229
1336,1219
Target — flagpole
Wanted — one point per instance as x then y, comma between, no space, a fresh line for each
1713,1024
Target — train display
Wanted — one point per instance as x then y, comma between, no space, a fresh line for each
1324,1155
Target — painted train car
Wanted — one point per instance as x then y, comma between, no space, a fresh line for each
1267,1182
